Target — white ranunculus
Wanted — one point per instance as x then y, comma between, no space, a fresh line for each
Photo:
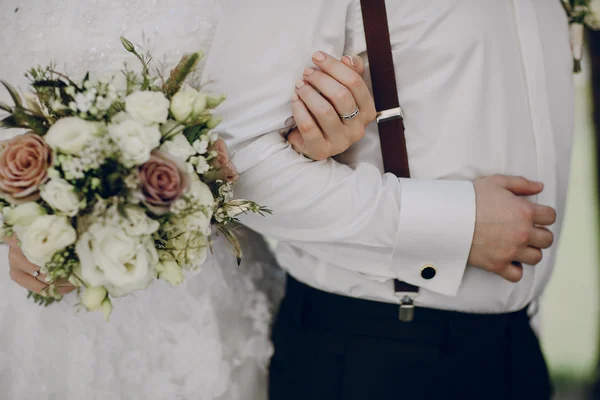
178,147
71,135
170,271
23,214
47,235
187,104
111,258
149,108
135,140
61,196
137,222
93,297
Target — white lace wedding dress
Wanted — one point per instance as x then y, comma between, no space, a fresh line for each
205,340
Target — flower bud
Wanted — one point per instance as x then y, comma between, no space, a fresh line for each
128,45
93,298
107,308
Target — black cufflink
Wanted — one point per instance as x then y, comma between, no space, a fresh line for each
428,272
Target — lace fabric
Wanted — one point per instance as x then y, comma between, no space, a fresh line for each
207,339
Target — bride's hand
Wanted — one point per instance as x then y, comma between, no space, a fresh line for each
322,96
22,271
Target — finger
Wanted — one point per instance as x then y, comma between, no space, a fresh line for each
339,95
11,240
529,256
512,273
355,62
350,79
17,260
27,281
520,186
544,215
307,138
327,117
541,238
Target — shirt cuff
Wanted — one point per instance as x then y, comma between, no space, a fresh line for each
435,232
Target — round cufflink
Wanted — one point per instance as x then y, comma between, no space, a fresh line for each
428,272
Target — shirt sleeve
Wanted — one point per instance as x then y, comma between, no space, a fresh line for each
418,222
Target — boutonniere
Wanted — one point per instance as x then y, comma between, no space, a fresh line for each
582,14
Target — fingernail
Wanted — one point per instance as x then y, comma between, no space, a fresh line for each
349,59
295,97
318,56
308,71
299,84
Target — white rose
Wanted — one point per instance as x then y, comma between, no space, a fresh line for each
93,297
23,214
71,135
61,196
135,141
198,222
137,222
47,235
111,258
189,248
202,194
178,147
170,271
187,103
148,107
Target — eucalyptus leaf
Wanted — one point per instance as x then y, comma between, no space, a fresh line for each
5,107
13,93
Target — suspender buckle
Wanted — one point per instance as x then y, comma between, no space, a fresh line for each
392,113
407,306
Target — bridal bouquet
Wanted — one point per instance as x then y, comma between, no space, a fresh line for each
581,13
112,189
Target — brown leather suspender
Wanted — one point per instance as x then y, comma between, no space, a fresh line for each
389,116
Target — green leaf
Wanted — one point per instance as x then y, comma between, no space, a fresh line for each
10,122
194,132
55,83
13,93
34,122
5,107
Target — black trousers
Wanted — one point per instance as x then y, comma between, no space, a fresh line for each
330,347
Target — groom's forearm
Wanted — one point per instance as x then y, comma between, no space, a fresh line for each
418,222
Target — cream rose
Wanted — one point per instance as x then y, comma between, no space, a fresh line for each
47,235
147,107
61,196
24,214
137,222
135,140
111,258
187,104
71,135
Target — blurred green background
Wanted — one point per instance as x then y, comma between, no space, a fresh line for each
570,311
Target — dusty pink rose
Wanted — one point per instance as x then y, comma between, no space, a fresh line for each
24,163
223,167
164,179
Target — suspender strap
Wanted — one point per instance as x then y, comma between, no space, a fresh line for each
389,117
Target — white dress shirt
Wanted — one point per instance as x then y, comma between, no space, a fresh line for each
486,88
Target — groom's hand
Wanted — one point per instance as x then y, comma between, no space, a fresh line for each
509,229
324,94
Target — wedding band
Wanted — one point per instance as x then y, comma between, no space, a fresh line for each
350,116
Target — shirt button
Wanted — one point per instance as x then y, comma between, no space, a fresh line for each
428,272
